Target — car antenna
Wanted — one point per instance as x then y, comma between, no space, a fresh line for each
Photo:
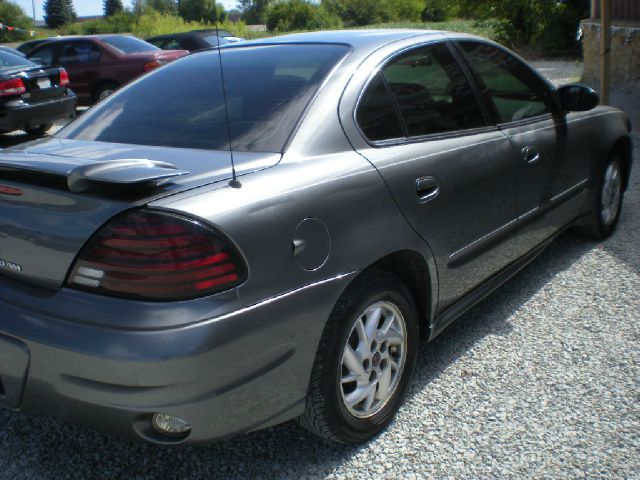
234,183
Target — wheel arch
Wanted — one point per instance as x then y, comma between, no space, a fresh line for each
413,269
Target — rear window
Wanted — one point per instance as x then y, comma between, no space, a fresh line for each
182,103
129,44
9,60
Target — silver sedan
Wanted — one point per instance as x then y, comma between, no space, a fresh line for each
263,232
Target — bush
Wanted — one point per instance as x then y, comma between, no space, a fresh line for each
300,15
147,25
13,16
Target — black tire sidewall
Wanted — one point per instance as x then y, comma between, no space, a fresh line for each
380,287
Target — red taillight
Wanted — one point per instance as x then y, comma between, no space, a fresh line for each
64,78
158,256
12,87
152,64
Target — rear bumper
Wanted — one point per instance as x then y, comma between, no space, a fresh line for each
16,115
232,373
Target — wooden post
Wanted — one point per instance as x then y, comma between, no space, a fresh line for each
594,9
605,50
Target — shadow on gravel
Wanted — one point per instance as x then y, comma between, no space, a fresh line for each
46,448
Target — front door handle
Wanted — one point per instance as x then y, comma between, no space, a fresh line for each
427,189
530,154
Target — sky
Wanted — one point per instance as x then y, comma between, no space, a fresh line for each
88,7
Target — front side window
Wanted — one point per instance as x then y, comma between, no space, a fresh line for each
516,91
182,104
431,94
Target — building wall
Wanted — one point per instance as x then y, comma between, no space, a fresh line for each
620,9
625,54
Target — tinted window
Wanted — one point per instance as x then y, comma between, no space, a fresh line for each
9,60
43,56
213,40
432,92
377,115
516,91
129,44
181,104
79,52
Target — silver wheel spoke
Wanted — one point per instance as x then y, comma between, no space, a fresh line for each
368,402
351,377
373,318
384,384
359,394
352,360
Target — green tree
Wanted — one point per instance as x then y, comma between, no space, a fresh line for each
13,16
58,13
254,11
112,7
163,6
289,15
360,12
201,11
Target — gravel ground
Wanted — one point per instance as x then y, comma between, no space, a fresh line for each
539,380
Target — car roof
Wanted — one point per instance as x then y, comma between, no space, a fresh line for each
192,33
357,39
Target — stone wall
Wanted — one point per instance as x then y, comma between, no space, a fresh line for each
625,54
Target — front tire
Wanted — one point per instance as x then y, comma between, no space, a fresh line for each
365,360
606,202
39,129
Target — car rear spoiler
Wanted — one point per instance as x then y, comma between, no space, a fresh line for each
78,175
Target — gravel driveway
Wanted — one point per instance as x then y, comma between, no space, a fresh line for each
539,380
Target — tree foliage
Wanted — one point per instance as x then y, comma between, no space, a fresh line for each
58,13
254,11
366,12
290,15
12,15
201,11
111,7
163,6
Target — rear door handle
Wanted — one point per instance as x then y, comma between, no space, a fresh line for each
427,189
530,154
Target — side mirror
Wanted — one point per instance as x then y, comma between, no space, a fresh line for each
578,98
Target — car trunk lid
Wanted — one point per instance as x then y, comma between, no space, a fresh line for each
54,195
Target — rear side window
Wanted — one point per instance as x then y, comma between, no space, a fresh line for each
43,56
182,105
377,115
517,92
128,44
431,93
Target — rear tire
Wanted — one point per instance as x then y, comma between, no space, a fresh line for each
365,360
103,91
39,129
606,202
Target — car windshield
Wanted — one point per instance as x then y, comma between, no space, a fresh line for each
129,44
11,61
182,104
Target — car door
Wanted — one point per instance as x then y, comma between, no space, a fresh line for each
452,175
550,174
83,61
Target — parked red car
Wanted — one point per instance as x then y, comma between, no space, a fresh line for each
99,64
